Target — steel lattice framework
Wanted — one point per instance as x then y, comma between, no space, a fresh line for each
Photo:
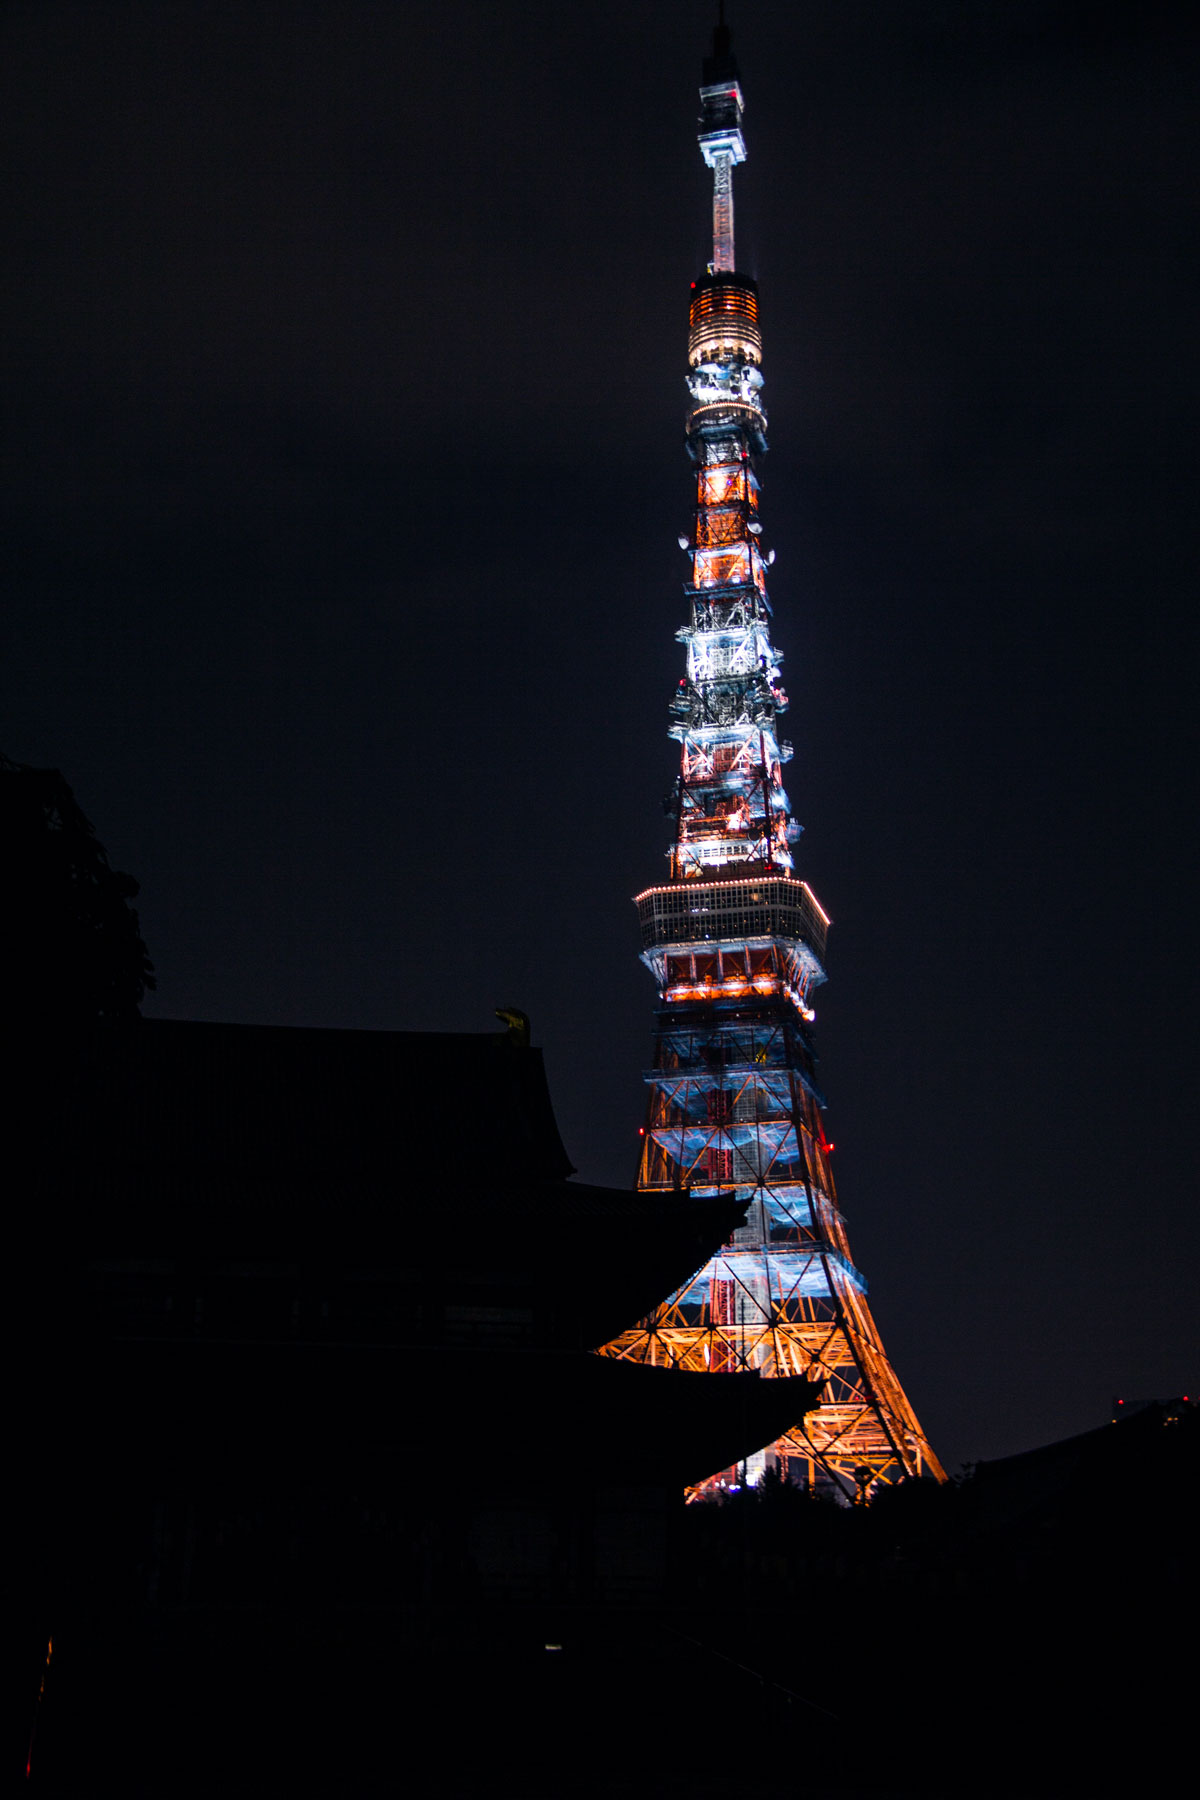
736,944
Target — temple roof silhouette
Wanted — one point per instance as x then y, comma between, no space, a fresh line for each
294,1237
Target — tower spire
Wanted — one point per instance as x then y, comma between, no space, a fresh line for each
736,944
721,142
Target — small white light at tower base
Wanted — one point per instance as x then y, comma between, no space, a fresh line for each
756,1468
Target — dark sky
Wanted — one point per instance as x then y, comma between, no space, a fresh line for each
343,394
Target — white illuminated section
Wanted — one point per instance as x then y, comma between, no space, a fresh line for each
733,384
724,140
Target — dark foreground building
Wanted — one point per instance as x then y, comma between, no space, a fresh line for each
304,1323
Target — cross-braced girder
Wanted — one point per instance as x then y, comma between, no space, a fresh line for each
733,1107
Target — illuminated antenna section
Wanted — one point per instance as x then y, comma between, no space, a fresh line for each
721,141
736,945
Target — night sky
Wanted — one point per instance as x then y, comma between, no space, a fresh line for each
344,354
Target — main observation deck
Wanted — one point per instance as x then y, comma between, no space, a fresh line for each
740,910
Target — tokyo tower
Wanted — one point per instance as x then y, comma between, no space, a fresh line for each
736,945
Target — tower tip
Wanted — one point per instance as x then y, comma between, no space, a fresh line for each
721,65
721,141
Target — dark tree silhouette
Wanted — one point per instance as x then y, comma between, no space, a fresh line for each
71,940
